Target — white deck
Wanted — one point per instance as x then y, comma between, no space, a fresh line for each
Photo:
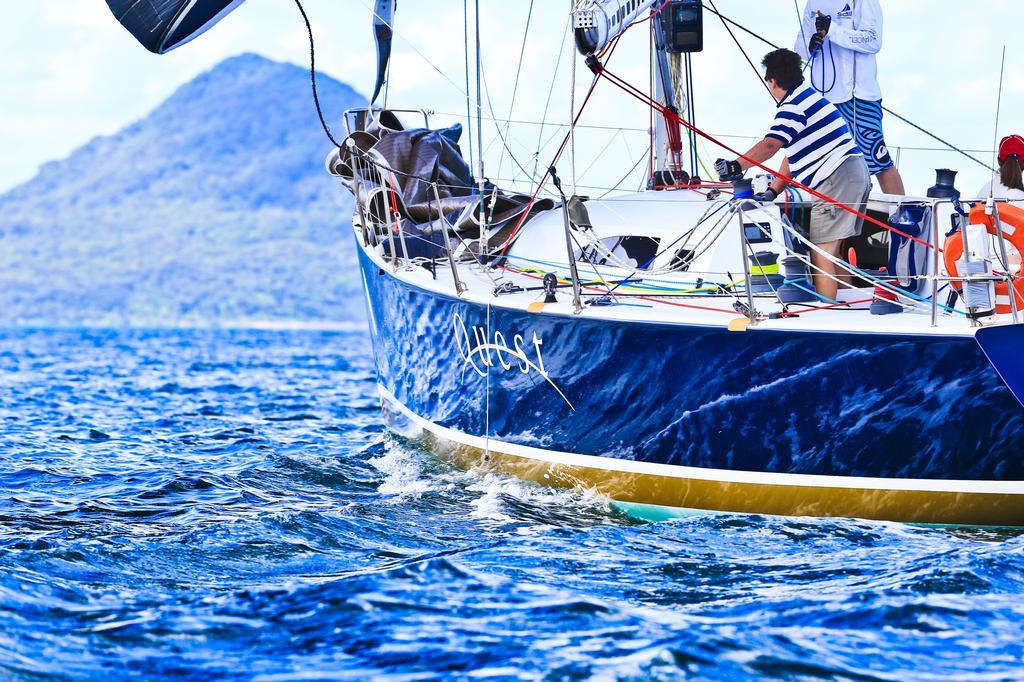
667,215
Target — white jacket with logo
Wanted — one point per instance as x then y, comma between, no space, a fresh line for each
854,38
1000,191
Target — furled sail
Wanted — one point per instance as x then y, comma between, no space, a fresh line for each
422,176
383,20
162,25
598,22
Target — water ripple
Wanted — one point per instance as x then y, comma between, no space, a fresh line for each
197,505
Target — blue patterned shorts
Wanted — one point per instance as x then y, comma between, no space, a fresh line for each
865,120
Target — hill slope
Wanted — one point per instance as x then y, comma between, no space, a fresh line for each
214,208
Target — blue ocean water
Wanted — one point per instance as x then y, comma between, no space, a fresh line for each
226,505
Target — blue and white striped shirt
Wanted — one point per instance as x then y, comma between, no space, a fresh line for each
815,135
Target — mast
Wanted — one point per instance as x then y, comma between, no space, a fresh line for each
677,33
677,29
667,142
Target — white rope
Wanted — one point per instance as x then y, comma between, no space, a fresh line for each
855,272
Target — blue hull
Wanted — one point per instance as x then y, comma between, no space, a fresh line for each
812,404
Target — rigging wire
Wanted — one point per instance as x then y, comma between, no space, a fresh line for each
558,155
799,20
995,134
643,97
547,173
481,181
618,185
597,157
646,131
515,86
551,90
650,112
948,145
500,136
572,116
312,75
742,51
469,105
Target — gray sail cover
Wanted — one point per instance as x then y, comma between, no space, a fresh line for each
162,25
420,158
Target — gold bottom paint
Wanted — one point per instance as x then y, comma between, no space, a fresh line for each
907,506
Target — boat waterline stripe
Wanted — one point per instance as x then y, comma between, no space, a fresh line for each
693,473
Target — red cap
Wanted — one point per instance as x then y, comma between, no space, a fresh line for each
1011,144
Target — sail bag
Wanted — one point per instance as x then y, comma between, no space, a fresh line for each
162,25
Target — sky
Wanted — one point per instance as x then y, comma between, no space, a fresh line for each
69,72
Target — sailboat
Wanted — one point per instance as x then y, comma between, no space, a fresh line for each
666,347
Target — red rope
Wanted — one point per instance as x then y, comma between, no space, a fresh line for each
547,173
643,97
393,201
687,305
558,154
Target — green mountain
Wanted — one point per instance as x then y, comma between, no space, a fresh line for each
214,209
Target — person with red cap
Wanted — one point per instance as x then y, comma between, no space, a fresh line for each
1010,184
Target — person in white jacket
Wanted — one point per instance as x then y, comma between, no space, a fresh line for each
841,38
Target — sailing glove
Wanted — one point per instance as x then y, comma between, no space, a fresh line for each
767,196
822,23
815,44
728,170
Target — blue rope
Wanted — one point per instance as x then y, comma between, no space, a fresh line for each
812,292
835,71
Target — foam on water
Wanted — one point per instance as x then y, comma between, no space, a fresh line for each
197,505
404,471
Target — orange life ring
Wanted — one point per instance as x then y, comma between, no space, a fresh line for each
1012,220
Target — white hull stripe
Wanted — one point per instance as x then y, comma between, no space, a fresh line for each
694,473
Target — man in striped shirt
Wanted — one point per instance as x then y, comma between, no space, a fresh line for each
820,154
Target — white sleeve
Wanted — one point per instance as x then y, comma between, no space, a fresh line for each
867,36
806,31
